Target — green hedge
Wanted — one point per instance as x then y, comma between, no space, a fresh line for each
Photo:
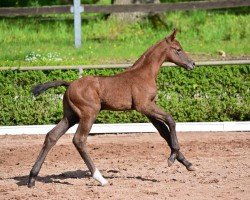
204,94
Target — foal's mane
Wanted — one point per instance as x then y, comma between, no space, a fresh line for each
145,55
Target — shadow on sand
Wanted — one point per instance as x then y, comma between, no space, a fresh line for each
78,174
57,178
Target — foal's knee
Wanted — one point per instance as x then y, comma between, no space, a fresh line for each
79,142
50,140
76,141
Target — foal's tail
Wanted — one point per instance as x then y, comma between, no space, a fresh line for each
42,87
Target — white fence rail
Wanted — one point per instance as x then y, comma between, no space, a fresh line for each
80,68
132,128
126,65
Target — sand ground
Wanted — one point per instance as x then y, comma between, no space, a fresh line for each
134,164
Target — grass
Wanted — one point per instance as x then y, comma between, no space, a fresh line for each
45,41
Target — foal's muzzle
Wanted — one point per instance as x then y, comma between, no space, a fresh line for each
190,65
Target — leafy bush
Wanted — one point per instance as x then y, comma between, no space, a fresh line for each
204,94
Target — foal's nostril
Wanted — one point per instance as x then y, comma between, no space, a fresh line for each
193,63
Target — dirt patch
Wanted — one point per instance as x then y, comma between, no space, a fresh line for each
134,164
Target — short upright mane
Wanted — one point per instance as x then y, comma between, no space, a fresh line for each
145,55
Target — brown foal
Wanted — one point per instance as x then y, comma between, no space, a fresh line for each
133,89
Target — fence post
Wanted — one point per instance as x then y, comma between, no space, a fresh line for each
80,71
77,9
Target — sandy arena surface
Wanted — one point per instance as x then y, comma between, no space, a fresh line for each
134,164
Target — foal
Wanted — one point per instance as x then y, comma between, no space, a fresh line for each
133,89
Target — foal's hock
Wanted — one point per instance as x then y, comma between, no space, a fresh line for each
133,89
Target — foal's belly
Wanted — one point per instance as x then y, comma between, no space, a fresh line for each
116,101
115,92
116,97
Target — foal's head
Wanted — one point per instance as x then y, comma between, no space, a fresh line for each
176,54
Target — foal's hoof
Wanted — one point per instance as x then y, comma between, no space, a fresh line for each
171,159
191,168
31,183
170,162
98,176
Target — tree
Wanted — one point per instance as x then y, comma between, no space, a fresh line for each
131,17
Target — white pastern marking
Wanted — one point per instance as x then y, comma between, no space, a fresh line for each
98,176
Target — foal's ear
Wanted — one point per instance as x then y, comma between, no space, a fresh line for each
172,36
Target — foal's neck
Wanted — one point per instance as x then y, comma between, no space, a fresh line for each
150,62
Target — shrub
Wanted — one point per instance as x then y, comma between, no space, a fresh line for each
204,94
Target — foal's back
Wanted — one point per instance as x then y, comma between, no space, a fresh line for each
110,92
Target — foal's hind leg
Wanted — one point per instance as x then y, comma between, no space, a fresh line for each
164,132
50,140
80,140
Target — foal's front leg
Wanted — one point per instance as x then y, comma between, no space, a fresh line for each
164,132
158,117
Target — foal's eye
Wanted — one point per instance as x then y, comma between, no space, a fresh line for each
178,50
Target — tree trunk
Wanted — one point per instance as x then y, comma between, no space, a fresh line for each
131,17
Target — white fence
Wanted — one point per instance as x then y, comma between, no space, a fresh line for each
132,128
